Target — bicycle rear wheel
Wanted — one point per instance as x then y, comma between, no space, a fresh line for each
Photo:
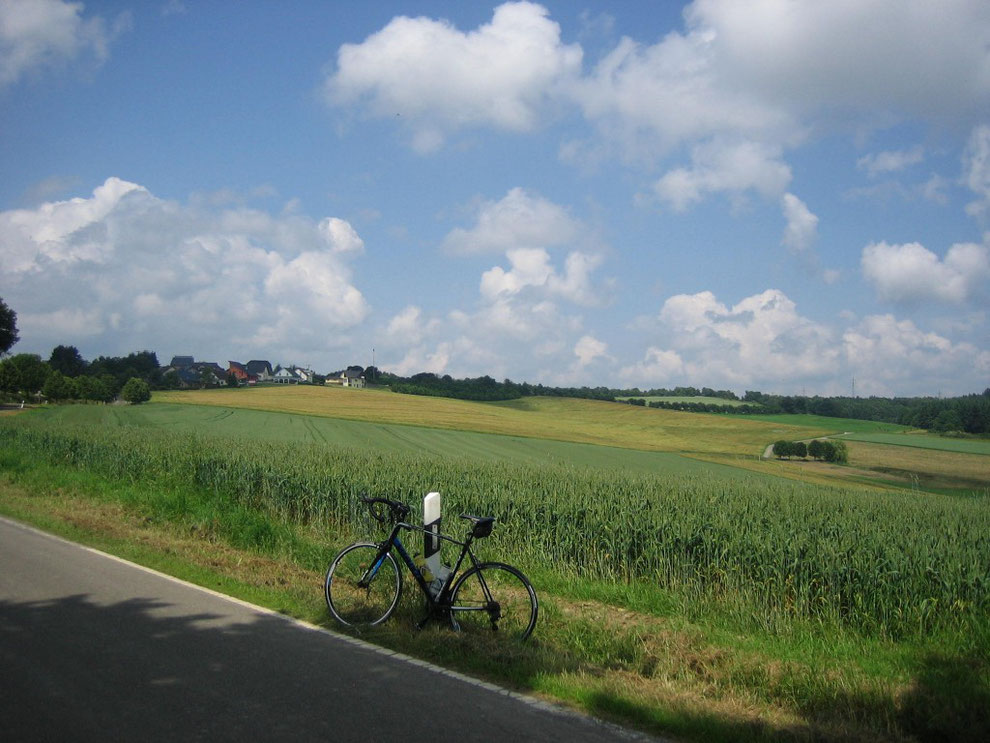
494,597
358,592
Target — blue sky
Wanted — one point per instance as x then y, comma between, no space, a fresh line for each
778,195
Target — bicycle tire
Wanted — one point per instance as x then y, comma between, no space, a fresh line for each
362,606
512,611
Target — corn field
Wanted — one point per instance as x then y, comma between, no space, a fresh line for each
894,565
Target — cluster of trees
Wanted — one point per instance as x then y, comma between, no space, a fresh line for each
825,450
67,376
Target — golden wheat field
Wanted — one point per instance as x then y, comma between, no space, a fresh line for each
561,419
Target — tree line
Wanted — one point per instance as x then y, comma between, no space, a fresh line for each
825,450
966,414
484,388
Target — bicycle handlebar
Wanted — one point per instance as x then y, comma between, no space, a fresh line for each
397,510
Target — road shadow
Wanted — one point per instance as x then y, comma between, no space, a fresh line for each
141,669
74,669
949,700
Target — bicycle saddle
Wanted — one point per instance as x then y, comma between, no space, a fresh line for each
483,525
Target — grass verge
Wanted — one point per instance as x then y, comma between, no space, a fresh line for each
597,646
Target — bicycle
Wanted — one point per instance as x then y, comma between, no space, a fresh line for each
364,582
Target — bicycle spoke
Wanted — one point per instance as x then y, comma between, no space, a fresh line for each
496,598
357,596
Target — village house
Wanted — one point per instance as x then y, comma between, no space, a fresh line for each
352,378
262,370
197,374
241,373
293,375
192,373
285,376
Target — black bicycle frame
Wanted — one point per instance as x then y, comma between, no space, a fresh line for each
394,541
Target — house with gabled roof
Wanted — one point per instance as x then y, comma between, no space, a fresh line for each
352,378
210,373
260,369
211,366
285,376
181,362
240,371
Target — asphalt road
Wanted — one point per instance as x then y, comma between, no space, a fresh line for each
93,648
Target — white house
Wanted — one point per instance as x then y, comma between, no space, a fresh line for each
285,376
352,378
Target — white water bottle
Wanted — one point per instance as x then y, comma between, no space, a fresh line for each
440,577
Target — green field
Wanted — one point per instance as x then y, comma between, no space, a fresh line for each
829,426
383,437
920,441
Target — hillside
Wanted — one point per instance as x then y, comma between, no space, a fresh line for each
559,419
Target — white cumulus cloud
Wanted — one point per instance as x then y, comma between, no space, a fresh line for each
890,161
519,324
122,266
719,166
734,91
888,355
518,220
438,79
588,348
531,268
802,225
763,342
340,236
890,55
48,33
976,167
658,367
912,273
759,340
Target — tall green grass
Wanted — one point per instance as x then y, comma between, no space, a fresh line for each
902,565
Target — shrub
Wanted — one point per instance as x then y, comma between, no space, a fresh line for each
782,449
136,391
836,452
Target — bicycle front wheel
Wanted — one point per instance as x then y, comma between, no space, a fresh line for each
361,589
494,597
